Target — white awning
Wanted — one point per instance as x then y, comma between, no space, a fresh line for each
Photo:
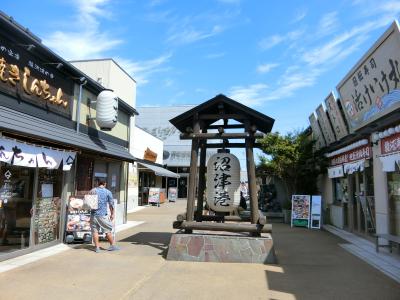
159,171
352,167
389,162
335,172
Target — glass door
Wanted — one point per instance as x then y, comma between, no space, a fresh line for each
16,201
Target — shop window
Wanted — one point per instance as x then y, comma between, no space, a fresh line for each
48,206
84,174
16,201
341,194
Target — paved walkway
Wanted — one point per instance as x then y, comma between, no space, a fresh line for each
311,265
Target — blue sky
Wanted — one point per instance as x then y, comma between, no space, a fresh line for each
279,57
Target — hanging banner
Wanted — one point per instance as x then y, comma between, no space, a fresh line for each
390,144
325,125
68,160
48,158
300,210
316,132
316,208
352,167
338,124
335,172
363,152
25,155
6,152
223,182
372,88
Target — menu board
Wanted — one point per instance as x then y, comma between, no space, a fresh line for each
78,215
172,194
154,195
47,219
300,210
316,202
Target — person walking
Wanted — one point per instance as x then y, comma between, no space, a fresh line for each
100,221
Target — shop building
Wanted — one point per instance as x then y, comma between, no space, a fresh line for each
51,146
360,135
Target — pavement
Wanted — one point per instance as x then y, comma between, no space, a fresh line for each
312,264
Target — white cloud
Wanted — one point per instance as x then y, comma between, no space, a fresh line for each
276,39
141,71
191,35
250,95
300,15
328,24
84,38
215,55
265,68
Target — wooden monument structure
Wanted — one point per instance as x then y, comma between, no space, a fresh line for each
229,120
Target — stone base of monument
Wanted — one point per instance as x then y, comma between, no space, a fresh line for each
230,248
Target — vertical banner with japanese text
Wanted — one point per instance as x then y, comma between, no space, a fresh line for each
338,124
325,125
317,133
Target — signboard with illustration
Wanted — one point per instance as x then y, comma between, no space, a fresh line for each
172,194
325,125
300,210
372,88
223,182
338,124
154,195
78,215
317,133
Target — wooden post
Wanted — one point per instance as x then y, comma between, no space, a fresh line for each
251,173
202,180
193,174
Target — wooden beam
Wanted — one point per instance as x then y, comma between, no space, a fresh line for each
222,116
202,180
229,126
193,173
261,219
233,135
230,227
232,145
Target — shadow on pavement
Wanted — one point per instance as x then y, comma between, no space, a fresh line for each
157,240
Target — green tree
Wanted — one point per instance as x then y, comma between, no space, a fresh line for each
291,158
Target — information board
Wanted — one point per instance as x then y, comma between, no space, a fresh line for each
316,203
154,195
172,194
300,211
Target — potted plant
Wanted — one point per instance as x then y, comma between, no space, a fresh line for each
287,211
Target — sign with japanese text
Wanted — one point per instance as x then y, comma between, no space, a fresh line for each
338,124
390,144
326,127
223,182
25,76
317,133
364,152
372,88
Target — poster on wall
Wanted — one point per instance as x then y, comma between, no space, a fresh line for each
300,211
316,206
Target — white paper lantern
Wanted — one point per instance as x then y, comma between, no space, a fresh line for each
107,110
381,136
391,131
375,137
397,129
223,182
385,133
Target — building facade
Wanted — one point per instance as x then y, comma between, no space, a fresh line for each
360,135
50,146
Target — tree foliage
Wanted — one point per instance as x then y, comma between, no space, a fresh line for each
291,158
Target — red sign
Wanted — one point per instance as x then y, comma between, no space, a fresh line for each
363,152
390,144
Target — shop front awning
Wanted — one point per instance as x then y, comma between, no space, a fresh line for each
159,171
20,123
335,172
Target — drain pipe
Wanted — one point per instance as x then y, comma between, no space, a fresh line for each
82,81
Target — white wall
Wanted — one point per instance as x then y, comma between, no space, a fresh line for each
110,75
141,140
